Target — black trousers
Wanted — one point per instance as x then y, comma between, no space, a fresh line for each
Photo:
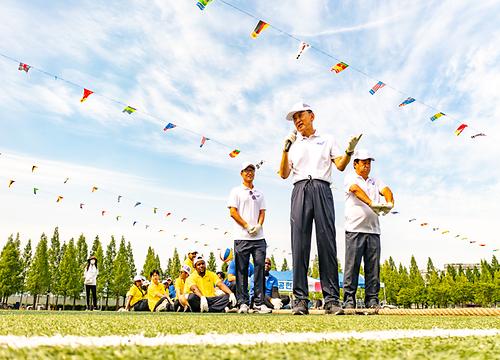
367,246
215,303
141,305
93,289
313,200
242,251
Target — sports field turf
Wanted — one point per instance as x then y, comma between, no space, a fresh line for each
101,324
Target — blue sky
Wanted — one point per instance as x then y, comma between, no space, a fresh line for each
203,72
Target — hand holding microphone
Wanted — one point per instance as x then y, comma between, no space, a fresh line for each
290,139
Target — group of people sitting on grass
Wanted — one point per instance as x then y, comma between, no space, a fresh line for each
198,289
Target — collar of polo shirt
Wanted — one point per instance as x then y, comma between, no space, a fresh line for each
315,134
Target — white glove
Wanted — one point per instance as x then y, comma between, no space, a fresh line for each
290,139
277,303
255,230
381,208
203,304
232,300
352,144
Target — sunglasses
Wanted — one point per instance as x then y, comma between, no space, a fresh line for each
252,195
267,263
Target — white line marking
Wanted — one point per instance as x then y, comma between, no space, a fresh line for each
13,341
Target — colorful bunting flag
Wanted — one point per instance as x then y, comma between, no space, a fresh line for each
59,198
135,222
103,212
94,188
412,220
341,66
137,204
161,230
24,67
494,250
11,182
259,164
202,4
81,205
33,168
482,244
377,86
119,197
129,110
437,116
407,101
226,232
35,190
394,212
168,214
234,153
445,232
66,180
203,140
476,135
169,126
155,210
435,229
460,129
262,25
424,224
183,219
303,47
472,241
118,217
147,226
86,94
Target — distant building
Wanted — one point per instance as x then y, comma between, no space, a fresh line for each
464,267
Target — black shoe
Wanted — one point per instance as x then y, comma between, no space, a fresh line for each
300,308
349,305
333,308
373,304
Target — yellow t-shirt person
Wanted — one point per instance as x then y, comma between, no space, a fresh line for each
155,293
136,293
206,284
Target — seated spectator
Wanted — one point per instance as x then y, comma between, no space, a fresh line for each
136,296
200,287
230,282
181,302
221,275
272,297
190,257
158,299
169,287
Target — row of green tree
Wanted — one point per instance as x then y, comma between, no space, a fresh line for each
454,286
56,269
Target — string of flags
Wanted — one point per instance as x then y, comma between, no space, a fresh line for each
443,231
128,109
105,213
338,67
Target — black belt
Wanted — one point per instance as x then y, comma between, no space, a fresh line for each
310,180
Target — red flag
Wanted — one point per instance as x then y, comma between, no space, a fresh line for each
234,153
24,67
86,94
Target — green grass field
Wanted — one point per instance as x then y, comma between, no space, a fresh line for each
99,324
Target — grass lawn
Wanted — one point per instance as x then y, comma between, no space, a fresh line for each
98,324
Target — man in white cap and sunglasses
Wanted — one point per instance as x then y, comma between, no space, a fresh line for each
363,205
247,207
310,161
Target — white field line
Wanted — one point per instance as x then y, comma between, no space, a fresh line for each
233,339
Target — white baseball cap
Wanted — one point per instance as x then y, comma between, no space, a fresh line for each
198,259
186,269
246,164
300,106
363,154
138,278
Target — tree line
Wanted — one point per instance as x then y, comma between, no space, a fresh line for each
56,270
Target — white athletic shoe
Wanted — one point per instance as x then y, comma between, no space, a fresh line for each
262,309
243,309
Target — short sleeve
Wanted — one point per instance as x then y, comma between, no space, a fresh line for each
233,199
380,185
188,284
231,268
263,203
335,151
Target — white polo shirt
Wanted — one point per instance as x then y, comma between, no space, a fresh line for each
312,156
248,202
359,217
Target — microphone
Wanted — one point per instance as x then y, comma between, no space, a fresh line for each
288,142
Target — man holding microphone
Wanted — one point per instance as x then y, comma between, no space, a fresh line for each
310,162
